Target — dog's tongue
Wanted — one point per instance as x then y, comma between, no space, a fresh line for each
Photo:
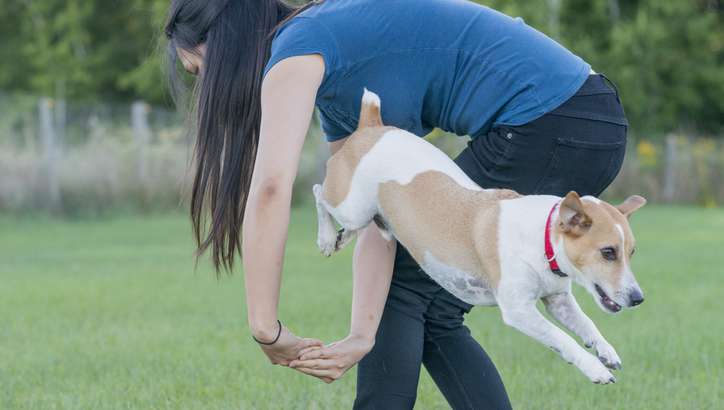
611,305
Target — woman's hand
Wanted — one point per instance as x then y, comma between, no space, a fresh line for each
288,347
330,362
372,267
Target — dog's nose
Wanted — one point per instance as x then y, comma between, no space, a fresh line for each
636,297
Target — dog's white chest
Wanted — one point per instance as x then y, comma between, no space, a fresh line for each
462,285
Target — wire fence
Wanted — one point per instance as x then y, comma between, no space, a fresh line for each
94,158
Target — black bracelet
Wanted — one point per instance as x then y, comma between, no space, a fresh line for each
276,339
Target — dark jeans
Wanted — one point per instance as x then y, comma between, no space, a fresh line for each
578,146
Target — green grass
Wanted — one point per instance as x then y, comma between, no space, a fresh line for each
110,314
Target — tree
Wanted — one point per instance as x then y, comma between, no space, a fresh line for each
669,59
87,45
667,56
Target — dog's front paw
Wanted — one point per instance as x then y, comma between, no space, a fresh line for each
608,356
596,372
326,246
327,241
326,249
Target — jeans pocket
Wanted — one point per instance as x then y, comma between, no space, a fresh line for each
587,167
493,149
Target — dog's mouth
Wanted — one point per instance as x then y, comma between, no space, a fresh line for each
606,301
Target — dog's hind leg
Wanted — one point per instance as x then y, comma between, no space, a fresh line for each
382,227
344,237
327,238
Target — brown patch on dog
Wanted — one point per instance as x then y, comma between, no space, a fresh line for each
631,204
457,226
621,219
590,226
502,194
370,114
344,162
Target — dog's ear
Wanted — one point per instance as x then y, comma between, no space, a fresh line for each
572,218
631,204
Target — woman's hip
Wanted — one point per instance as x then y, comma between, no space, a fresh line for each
579,146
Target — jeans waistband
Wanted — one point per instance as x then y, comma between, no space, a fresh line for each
597,84
597,99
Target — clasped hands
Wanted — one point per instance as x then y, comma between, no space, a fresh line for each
310,356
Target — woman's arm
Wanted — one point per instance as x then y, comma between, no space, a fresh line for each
374,258
287,102
288,96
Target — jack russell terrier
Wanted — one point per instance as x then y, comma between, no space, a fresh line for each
485,246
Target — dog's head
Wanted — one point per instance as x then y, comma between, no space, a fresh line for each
598,246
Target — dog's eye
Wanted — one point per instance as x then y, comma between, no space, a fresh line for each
609,253
633,251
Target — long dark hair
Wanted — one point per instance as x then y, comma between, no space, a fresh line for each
225,107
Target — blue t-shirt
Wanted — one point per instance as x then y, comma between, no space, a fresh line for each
450,64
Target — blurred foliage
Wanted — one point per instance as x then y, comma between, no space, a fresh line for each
666,56
648,153
692,169
99,177
91,49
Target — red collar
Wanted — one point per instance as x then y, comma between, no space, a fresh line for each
550,254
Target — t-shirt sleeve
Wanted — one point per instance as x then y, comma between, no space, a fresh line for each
332,130
303,36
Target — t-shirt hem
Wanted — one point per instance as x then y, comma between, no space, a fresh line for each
552,104
332,138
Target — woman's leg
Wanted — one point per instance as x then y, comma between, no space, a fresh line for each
457,363
387,377
423,322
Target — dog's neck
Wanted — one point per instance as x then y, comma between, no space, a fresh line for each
531,214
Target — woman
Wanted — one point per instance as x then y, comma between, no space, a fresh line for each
540,122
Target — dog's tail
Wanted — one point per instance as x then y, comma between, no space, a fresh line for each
370,115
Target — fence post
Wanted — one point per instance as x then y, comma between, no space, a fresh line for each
61,114
554,17
142,135
614,11
669,191
49,144
29,134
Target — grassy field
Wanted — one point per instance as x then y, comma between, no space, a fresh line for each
111,314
